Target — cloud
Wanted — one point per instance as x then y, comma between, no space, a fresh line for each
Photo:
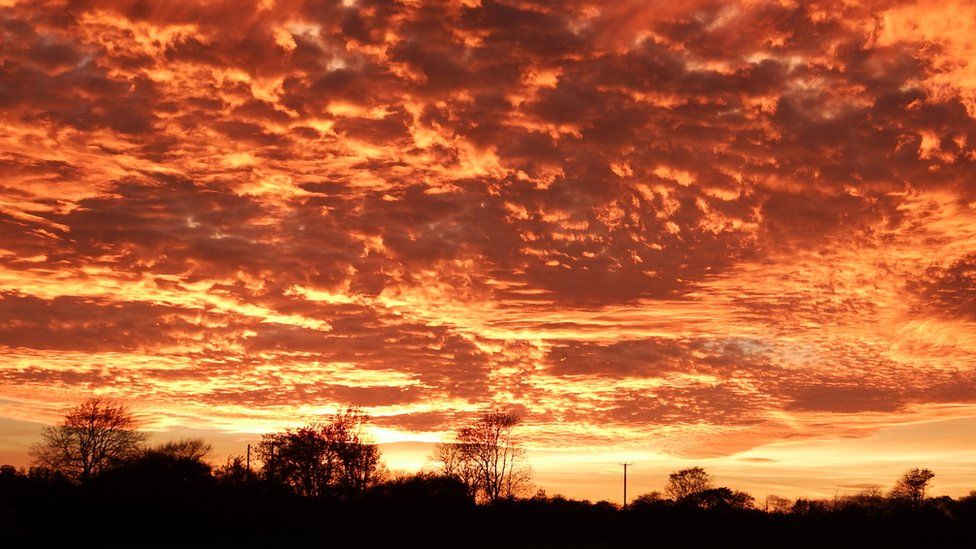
951,290
719,220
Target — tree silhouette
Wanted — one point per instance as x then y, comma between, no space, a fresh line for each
186,448
687,482
331,457
777,504
92,436
913,486
454,461
358,460
487,457
868,500
233,472
298,458
720,498
648,500
168,467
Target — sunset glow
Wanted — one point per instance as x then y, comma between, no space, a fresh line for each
740,235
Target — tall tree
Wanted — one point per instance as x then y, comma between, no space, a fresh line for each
357,457
487,457
92,436
687,482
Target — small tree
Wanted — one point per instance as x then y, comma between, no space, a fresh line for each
233,473
190,449
646,501
913,486
92,436
720,498
687,482
869,499
778,504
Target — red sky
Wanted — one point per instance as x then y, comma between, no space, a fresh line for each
741,235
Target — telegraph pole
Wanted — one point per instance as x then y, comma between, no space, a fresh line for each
626,465
248,474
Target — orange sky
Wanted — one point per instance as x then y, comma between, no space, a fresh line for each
698,232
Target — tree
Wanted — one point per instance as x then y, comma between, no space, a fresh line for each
233,473
778,504
720,498
687,482
868,500
487,457
912,486
810,507
421,494
454,462
170,467
331,457
92,437
647,501
191,449
358,459
298,458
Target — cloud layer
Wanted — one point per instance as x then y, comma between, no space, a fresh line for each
698,227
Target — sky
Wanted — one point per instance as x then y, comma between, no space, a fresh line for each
733,234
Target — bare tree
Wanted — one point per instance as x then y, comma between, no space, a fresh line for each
91,437
913,486
687,482
487,457
870,498
454,461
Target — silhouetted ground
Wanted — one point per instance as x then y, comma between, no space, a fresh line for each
182,508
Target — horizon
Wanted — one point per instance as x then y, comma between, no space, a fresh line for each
740,235
589,476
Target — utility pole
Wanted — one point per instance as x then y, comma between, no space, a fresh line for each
248,473
626,465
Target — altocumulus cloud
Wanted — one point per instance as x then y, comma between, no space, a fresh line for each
706,215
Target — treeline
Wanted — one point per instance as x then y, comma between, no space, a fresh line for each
94,479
